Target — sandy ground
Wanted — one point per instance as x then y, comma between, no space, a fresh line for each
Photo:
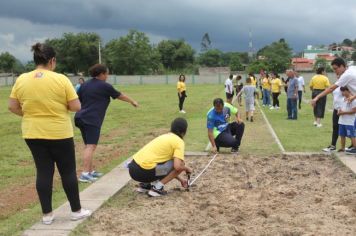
248,195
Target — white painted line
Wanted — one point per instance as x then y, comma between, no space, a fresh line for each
271,129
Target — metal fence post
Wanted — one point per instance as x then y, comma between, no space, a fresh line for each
166,79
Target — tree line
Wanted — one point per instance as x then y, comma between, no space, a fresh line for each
134,54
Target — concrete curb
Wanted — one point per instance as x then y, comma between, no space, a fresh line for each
348,160
91,198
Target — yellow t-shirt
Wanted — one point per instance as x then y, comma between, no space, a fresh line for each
161,149
266,84
181,86
253,81
276,85
319,82
44,97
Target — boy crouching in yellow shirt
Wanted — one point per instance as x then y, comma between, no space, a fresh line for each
160,161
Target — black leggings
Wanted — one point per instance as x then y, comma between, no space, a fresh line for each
227,139
61,152
335,128
319,109
275,99
181,100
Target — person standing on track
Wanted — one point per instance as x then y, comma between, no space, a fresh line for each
44,99
182,92
318,84
95,95
229,89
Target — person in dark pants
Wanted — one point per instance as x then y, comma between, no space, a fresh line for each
161,161
95,96
182,92
292,95
318,84
221,133
301,88
44,98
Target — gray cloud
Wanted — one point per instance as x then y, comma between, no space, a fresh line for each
301,22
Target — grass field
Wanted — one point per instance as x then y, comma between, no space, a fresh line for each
125,130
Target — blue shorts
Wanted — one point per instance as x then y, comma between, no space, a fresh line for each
347,131
90,133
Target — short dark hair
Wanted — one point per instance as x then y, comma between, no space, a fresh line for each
320,70
179,127
338,62
181,75
248,80
218,101
342,89
97,69
42,53
238,77
231,76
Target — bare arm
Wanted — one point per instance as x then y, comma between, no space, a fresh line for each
125,98
74,105
15,107
180,166
212,139
324,93
353,111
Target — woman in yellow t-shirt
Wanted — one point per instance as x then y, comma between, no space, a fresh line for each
181,92
317,85
43,99
161,161
266,89
276,85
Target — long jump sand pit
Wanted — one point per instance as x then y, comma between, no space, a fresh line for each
240,196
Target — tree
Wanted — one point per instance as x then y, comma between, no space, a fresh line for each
176,54
211,58
347,42
353,56
205,43
30,66
131,54
345,55
235,63
7,62
278,56
322,62
76,52
256,66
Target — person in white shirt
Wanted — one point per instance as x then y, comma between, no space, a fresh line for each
347,114
347,78
301,88
229,89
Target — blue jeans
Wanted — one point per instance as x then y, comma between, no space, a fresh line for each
292,108
266,97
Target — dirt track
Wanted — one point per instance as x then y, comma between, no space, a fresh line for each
241,196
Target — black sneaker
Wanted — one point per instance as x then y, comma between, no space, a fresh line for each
247,118
349,148
234,150
154,192
351,151
144,187
329,149
251,119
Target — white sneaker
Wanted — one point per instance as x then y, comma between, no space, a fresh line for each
277,108
182,111
271,108
315,123
47,220
80,215
319,125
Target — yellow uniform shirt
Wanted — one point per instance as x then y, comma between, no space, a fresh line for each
161,149
44,96
266,84
276,85
319,82
181,86
253,81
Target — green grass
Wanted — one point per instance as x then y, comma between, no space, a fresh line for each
125,127
301,135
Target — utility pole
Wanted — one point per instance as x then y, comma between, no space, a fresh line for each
250,45
99,53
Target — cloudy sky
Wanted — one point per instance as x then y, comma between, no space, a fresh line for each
300,22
